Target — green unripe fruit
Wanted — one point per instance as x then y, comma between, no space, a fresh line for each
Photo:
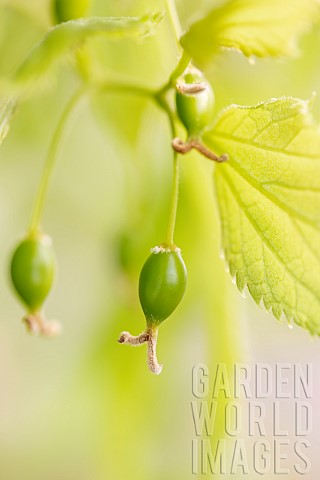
65,10
32,270
195,110
162,284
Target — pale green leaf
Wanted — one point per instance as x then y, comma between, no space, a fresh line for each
269,200
67,37
18,33
259,28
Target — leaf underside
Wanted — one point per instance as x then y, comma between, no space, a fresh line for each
259,28
269,202
68,36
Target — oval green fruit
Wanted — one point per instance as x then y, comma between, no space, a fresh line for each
65,10
32,270
195,110
162,284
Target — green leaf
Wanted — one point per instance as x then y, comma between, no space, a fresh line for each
269,200
14,47
68,36
7,108
259,28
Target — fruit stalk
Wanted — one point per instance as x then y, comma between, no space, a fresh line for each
150,336
50,162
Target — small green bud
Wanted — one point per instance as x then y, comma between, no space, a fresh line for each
195,102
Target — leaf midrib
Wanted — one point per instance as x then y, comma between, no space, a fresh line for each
267,148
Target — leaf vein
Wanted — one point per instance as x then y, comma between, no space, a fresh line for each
264,240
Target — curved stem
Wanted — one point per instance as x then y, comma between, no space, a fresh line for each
160,98
184,59
176,174
177,72
175,21
174,200
180,68
48,168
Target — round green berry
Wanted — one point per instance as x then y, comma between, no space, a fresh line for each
32,270
162,284
65,10
195,109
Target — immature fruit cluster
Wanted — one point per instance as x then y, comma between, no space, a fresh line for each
195,102
163,277
162,285
32,274
65,10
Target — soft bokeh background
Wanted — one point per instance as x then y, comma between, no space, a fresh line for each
84,407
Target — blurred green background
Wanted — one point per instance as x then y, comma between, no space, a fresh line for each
84,407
